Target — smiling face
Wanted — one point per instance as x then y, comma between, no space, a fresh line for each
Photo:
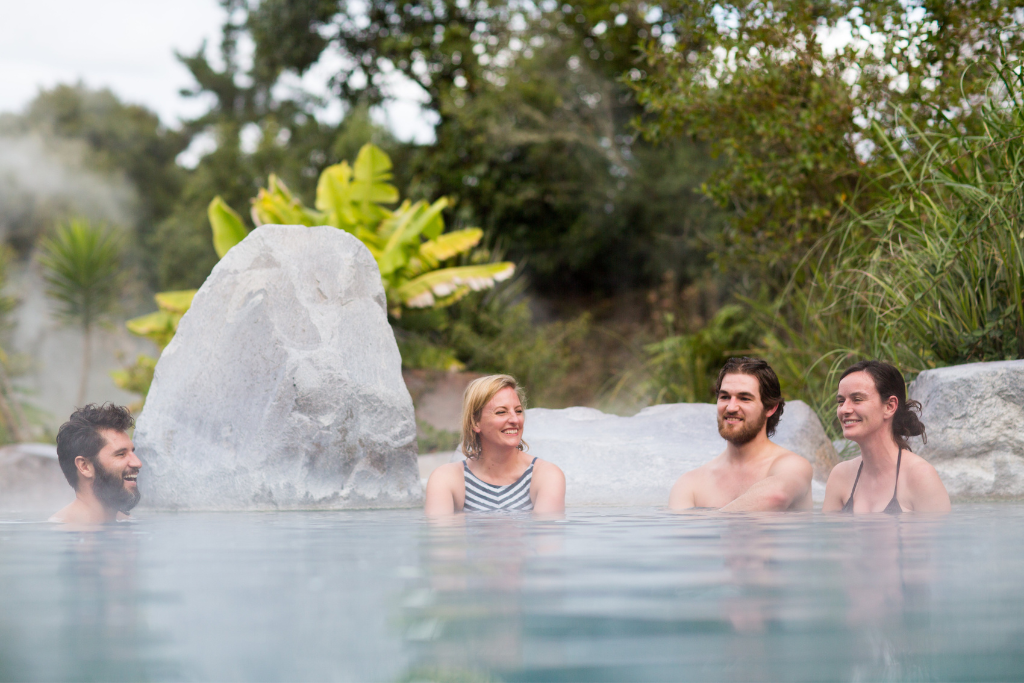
117,470
501,420
741,414
860,409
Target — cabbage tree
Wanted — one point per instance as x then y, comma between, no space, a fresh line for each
82,270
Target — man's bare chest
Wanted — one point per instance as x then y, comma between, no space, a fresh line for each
721,487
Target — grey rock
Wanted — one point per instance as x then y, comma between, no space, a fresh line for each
282,388
974,417
613,460
31,480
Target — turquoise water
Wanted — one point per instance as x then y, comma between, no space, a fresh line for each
605,595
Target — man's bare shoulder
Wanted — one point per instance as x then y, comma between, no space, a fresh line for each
790,461
66,514
699,473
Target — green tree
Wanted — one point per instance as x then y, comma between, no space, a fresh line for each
802,128
533,137
81,266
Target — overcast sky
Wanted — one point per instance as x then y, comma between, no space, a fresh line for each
128,46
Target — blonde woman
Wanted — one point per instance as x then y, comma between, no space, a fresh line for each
498,473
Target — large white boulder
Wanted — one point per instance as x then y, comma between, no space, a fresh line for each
974,417
613,460
282,388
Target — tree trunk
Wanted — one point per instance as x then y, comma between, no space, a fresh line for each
86,361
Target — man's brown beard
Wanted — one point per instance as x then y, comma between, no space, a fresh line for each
745,432
109,488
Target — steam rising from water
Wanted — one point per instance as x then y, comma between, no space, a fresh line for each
45,180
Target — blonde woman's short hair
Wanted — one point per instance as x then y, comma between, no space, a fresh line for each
476,396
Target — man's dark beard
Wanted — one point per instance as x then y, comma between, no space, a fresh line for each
747,431
109,488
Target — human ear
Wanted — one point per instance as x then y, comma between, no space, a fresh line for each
84,467
892,404
476,427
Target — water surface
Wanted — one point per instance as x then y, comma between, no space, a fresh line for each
606,594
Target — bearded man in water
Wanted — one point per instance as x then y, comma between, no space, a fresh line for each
98,460
752,474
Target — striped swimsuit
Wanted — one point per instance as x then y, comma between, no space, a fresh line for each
484,497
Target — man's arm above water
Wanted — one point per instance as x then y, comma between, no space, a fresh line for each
788,482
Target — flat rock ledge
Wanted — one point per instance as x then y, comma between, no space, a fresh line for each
974,417
625,461
282,388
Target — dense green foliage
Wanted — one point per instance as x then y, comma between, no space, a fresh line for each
684,367
533,141
801,100
932,275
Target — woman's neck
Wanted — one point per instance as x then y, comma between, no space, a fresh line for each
879,451
498,460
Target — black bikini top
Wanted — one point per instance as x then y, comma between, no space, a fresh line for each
893,508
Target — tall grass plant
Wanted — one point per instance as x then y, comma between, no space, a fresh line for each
933,275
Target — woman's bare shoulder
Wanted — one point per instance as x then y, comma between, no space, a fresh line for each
847,469
450,472
546,466
918,468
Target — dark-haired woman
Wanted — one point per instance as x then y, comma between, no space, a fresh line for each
875,414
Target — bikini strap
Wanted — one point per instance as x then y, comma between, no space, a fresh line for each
854,489
533,461
899,456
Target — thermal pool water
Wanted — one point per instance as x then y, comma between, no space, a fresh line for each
603,595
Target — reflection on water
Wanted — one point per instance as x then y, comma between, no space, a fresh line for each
602,595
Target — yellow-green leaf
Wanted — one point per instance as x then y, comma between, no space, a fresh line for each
159,326
177,301
451,244
405,235
277,205
228,229
371,173
425,290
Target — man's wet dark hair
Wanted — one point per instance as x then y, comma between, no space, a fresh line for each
889,382
767,382
80,435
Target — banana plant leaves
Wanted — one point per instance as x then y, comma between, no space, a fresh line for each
228,229
438,285
160,325
408,242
